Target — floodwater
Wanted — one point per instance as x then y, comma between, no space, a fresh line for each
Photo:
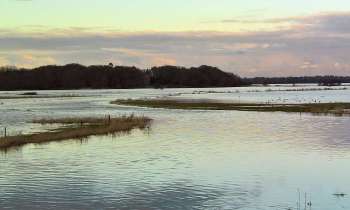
189,159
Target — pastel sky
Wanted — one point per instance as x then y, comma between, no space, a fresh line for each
247,37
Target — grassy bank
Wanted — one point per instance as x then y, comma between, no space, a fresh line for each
315,108
77,128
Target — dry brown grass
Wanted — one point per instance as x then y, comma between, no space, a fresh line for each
78,128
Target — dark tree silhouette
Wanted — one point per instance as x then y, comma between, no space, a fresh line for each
321,80
203,76
76,76
73,76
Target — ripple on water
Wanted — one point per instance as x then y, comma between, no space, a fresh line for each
188,160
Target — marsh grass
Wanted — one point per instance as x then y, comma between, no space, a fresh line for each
77,128
314,108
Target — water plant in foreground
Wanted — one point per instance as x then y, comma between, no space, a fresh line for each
77,128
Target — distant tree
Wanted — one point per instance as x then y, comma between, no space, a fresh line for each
321,80
76,76
73,76
8,68
330,81
203,76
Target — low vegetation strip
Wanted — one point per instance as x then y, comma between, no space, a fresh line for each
23,96
315,108
77,128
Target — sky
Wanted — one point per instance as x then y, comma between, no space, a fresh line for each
246,37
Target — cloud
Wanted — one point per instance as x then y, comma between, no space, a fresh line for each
30,60
3,61
308,65
26,58
317,44
323,22
140,57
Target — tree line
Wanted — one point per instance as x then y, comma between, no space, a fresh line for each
76,76
321,80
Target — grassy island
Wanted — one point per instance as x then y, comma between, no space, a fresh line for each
314,108
77,128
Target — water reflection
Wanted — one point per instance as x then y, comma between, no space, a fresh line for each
189,160
179,195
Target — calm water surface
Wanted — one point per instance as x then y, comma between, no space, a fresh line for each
187,160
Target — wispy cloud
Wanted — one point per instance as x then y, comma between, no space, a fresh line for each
317,44
325,22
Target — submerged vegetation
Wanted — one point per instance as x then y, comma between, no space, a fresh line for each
314,108
77,128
